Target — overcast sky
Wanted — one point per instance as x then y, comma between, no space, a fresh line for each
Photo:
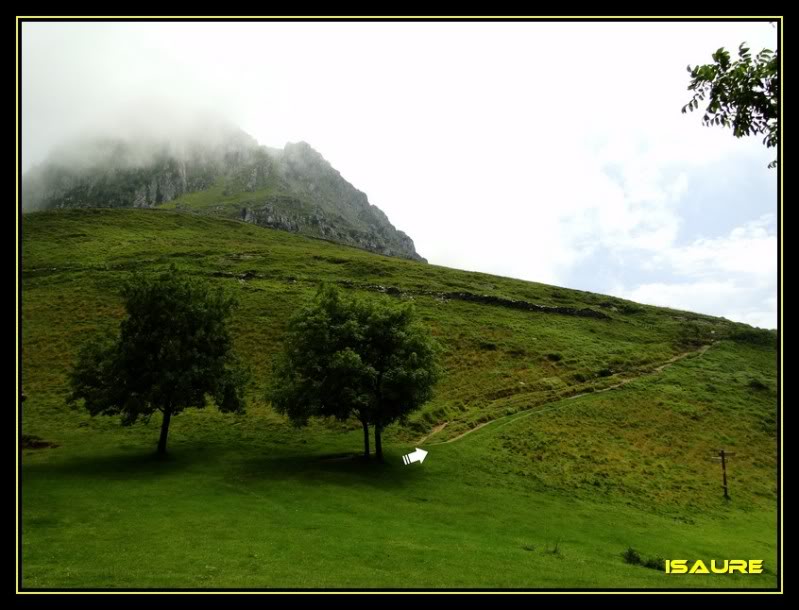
552,152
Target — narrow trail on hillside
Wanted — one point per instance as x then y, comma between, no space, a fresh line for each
435,430
534,410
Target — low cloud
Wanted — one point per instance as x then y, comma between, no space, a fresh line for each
734,276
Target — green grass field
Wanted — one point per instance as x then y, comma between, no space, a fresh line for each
536,477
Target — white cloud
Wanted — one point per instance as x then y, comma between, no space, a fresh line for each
749,250
692,296
733,276
728,299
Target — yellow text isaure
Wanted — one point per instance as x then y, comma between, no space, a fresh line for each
716,566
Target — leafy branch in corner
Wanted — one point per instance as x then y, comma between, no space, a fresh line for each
742,94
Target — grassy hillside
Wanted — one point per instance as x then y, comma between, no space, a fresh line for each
568,427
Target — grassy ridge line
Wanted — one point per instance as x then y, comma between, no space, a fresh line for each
328,256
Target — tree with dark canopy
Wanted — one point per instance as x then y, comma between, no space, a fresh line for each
743,94
354,357
173,350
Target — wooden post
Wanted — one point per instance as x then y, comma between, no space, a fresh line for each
722,455
724,474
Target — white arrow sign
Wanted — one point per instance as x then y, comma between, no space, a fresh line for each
417,456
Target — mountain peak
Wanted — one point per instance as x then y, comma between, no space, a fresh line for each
220,170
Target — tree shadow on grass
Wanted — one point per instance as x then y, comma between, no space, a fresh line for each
119,464
249,466
332,468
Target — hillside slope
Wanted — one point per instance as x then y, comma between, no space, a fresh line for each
548,456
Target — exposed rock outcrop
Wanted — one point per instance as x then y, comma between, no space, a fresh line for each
293,189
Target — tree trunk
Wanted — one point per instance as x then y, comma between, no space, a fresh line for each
365,439
378,443
164,431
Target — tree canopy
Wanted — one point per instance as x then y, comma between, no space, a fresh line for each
742,94
172,351
354,357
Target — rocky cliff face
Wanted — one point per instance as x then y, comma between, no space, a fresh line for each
294,189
